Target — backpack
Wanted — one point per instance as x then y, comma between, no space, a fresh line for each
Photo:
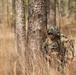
69,46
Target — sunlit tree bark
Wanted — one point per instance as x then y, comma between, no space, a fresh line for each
20,36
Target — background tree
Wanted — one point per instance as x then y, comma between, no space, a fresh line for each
51,12
69,3
74,9
71,6
10,12
20,36
62,6
4,12
0,11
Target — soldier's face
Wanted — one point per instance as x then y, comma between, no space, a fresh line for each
51,36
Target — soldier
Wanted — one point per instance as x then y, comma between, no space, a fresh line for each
51,42
51,45
55,46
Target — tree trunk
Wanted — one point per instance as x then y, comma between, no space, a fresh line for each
36,35
75,11
4,12
51,12
68,5
10,12
61,13
0,11
62,4
20,36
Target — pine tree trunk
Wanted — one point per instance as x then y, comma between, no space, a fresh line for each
69,6
51,12
4,12
75,11
10,12
62,4
0,11
36,35
20,36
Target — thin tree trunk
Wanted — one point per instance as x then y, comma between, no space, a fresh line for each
0,11
4,12
62,4
20,36
75,10
51,12
69,7
10,11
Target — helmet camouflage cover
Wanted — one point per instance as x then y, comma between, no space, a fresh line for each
53,30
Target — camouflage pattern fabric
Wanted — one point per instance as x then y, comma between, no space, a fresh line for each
53,30
60,48
52,49
68,44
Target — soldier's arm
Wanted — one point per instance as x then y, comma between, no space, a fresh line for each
44,44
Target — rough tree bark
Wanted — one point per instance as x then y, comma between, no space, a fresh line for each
51,12
20,36
36,35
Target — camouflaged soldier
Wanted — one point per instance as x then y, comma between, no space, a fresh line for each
56,45
51,44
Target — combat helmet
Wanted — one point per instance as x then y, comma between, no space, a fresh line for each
54,30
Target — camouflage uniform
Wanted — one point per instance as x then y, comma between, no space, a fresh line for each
51,46
58,48
68,44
